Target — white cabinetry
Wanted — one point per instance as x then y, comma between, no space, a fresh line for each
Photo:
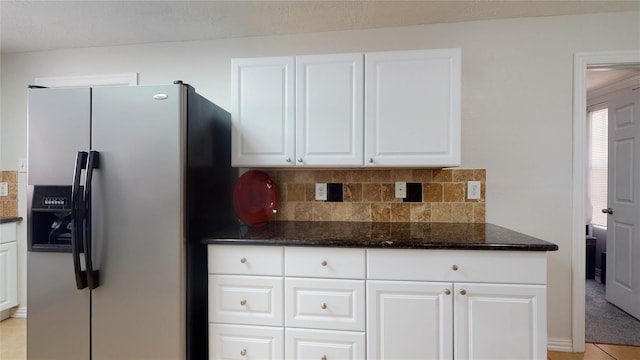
412,102
304,111
263,110
8,266
271,302
388,109
458,304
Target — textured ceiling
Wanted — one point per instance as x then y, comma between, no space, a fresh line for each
46,25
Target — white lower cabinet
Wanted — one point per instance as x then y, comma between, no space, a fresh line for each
315,344
324,304
409,320
235,342
8,266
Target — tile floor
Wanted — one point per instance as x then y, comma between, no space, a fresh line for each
13,346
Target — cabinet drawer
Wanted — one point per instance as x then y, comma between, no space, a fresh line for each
325,304
324,344
245,342
255,300
523,267
325,262
7,232
245,260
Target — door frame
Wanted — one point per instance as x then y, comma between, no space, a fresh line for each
582,60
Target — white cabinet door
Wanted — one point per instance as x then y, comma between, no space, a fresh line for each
237,342
409,320
329,110
262,111
412,108
8,276
500,321
302,344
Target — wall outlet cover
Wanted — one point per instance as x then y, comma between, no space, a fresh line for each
334,192
321,191
401,189
473,190
4,189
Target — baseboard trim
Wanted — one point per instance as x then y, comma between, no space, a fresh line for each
559,344
20,313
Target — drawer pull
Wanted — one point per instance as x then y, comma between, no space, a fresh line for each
243,352
324,357
447,292
324,263
243,302
463,292
243,260
455,267
323,306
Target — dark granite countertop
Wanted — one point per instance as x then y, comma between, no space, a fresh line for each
460,236
10,219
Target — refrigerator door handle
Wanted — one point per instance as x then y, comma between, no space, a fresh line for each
77,219
93,276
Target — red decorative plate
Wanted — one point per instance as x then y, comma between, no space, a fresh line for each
255,198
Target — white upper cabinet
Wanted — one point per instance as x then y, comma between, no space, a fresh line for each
262,111
412,108
386,109
329,112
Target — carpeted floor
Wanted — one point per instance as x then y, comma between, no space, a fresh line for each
606,323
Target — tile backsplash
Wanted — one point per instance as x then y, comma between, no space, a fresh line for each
369,195
9,204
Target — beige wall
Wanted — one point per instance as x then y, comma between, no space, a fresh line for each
517,78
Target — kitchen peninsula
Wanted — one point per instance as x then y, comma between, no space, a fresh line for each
375,290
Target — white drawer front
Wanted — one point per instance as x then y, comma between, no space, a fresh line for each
324,344
7,232
523,267
245,260
238,342
255,300
325,304
325,262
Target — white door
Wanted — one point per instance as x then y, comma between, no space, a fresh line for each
500,321
412,108
623,225
329,111
409,320
262,111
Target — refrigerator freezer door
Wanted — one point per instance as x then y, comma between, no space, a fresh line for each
58,321
138,246
59,126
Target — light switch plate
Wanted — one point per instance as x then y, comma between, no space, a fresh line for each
401,189
4,189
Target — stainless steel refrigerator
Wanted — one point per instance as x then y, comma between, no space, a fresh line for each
123,182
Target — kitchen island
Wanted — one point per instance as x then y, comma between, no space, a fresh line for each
356,290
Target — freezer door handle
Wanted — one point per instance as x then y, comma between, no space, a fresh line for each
77,209
93,276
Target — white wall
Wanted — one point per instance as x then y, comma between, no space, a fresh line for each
516,104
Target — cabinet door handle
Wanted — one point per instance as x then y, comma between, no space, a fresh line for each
323,306
371,160
243,260
324,357
447,292
454,267
243,352
288,160
243,302
463,292
299,160
324,263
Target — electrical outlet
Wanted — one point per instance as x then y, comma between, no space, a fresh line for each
4,189
401,189
473,190
321,191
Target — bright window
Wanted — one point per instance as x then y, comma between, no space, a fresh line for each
598,156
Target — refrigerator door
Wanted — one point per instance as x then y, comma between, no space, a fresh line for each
59,126
58,324
138,309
